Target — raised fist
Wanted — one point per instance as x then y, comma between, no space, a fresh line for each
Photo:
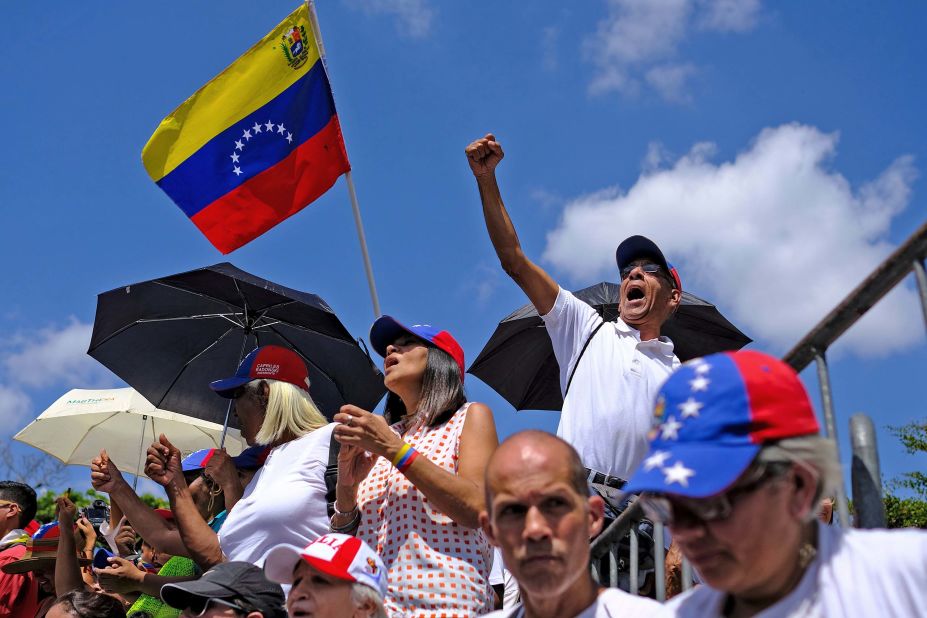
484,155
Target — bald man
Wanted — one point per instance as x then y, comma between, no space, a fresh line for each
540,514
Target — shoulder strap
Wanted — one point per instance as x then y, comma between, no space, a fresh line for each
578,358
331,474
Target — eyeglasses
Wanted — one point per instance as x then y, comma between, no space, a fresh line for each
690,511
195,610
648,267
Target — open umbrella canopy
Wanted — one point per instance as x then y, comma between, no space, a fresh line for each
81,422
170,337
518,361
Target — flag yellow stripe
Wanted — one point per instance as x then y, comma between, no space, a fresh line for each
258,76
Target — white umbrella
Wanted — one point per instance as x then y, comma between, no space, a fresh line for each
81,422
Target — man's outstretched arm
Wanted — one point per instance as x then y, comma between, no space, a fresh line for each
484,155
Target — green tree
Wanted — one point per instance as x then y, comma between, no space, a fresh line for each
46,502
912,511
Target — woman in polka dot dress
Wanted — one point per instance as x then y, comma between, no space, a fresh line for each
413,490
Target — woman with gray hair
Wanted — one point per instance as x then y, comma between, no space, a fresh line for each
285,502
411,484
737,469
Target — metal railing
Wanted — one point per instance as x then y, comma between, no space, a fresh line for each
867,488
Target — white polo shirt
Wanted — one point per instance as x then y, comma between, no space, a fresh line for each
609,409
864,573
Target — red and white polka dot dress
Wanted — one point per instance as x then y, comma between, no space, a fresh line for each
435,566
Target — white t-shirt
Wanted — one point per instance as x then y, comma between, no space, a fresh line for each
609,409
283,503
612,603
864,573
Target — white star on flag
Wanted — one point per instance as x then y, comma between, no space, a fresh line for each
237,171
690,407
702,368
246,134
238,144
234,157
678,473
699,384
280,129
256,128
670,429
289,138
657,460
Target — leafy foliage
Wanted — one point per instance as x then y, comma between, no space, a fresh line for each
905,512
46,502
909,512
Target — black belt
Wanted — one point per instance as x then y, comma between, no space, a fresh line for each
596,477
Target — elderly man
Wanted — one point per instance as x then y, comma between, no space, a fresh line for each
228,590
336,575
737,469
608,396
20,593
540,513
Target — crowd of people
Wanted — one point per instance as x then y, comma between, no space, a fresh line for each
419,511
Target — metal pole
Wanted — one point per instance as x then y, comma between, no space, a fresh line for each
349,179
228,409
921,277
633,585
659,564
830,429
141,445
686,575
865,475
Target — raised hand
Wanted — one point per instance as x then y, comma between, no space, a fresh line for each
163,462
221,469
65,511
354,464
121,576
125,540
104,475
484,155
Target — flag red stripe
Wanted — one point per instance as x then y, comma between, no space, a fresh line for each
277,193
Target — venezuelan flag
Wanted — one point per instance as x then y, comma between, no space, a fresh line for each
256,144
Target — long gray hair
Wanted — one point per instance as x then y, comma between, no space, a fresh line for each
442,392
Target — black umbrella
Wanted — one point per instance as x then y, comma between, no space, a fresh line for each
518,361
170,337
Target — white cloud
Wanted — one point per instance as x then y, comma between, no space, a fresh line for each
413,17
775,237
550,40
728,15
54,355
638,40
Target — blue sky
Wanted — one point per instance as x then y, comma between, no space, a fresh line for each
774,150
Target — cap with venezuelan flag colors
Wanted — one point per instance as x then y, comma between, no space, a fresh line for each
251,458
269,362
387,329
715,414
257,143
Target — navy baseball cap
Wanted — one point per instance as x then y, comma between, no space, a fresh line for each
269,362
635,247
715,414
387,329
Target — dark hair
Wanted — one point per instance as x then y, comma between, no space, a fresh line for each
87,604
23,495
442,392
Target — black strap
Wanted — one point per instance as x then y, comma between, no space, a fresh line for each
331,474
581,352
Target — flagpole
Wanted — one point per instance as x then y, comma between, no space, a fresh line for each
352,193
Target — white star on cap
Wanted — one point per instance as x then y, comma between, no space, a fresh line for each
237,171
690,407
702,368
678,473
700,383
670,429
238,144
657,460
256,128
